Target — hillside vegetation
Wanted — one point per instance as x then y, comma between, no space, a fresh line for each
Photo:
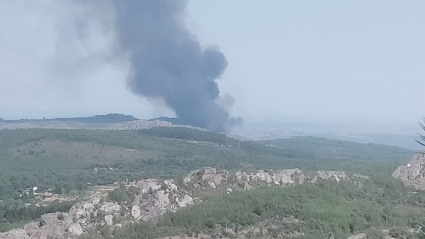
68,161
323,210
327,148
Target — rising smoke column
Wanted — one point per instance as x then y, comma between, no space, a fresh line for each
167,62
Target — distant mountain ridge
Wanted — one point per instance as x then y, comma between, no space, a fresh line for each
108,118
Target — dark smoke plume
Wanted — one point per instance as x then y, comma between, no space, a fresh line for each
167,62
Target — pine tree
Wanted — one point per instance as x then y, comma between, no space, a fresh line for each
422,124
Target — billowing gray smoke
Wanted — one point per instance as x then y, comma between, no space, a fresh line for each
167,62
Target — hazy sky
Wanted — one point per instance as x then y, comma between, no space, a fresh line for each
344,62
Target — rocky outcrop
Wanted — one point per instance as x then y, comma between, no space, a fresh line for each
82,212
154,198
330,175
135,212
210,175
206,177
358,236
145,186
210,179
360,176
415,169
75,229
413,173
81,216
89,214
15,234
51,225
110,208
109,220
279,177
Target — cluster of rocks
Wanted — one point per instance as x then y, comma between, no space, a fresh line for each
96,212
413,173
279,177
209,178
331,175
81,216
206,176
52,225
155,198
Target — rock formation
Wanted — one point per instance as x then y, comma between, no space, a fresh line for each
51,225
155,198
207,176
279,177
328,175
413,173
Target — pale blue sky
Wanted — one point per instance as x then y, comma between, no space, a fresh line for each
340,62
336,61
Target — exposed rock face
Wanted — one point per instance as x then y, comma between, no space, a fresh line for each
162,199
186,200
85,213
171,184
330,175
82,212
156,198
279,177
413,173
15,234
109,220
208,176
75,229
358,236
52,226
135,212
110,207
148,185
360,176
413,170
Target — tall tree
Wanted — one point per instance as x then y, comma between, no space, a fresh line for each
422,124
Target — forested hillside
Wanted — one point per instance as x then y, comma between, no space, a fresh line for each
68,161
328,148
381,206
